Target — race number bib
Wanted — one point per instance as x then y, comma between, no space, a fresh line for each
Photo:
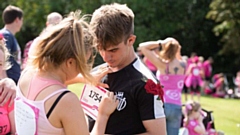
26,118
90,99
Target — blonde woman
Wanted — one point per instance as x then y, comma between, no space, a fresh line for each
6,110
43,103
171,73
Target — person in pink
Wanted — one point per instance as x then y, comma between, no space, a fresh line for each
7,119
171,74
218,83
6,111
193,119
194,79
189,62
43,104
25,53
200,63
207,66
237,81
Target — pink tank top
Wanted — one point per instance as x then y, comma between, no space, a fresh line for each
150,65
191,125
30,116
172,86
5,126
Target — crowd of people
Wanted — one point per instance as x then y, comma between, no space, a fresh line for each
64,54
199,77
145,94
179,74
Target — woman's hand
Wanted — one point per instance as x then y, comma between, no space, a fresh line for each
100,73
7,91
108,104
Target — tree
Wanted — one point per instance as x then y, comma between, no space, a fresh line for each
226,14
154,19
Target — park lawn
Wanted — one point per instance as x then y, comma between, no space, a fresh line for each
76,88
226,112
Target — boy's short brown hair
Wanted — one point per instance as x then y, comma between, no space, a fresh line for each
112,24
10,13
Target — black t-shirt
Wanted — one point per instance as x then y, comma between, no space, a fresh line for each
135,104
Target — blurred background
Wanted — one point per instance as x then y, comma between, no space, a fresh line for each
206,27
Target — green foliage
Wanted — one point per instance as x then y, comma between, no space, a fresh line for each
36,11
226,14
155,19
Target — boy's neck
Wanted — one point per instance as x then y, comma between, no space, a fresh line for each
10,28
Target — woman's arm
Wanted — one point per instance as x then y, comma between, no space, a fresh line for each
71,115
73,119
98,75
7,90
146,48
155,127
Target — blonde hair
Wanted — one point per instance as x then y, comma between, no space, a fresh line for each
3,48
63,41
190,107
169,51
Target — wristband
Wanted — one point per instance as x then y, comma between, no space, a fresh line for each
160,44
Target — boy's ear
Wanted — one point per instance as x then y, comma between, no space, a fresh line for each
131,39
17,19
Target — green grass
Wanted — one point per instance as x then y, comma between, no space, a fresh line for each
226,112
76,88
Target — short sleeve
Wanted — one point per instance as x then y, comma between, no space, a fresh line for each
10,42
150,106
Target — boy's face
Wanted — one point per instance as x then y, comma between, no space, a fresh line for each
19,22
118,56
